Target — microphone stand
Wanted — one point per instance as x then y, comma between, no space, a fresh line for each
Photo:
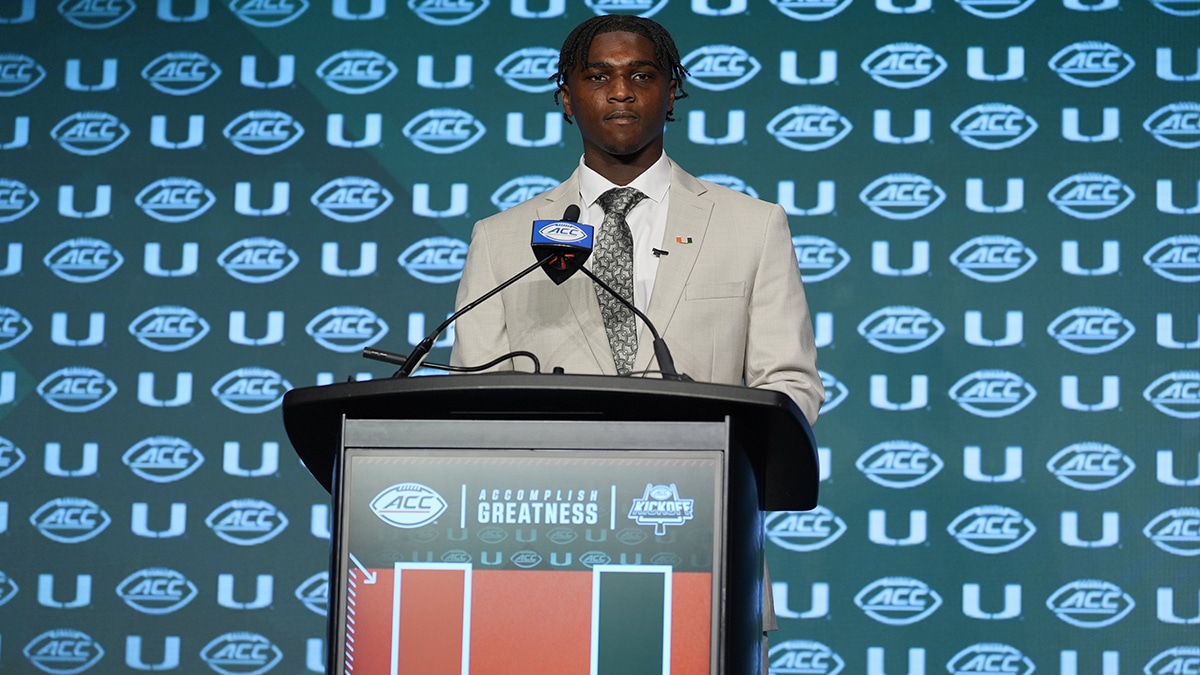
662,354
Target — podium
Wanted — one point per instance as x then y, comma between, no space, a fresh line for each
518,523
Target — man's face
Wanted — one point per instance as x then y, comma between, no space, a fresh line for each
620,97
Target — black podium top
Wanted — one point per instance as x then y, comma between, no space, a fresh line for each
766,424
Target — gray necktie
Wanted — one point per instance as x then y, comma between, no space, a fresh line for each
613,263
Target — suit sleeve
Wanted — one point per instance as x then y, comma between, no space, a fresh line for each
481,334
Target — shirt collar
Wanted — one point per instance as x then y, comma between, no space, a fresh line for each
654,181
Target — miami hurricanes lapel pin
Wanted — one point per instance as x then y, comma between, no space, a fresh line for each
683,240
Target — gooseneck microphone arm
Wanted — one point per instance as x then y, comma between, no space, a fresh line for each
662,354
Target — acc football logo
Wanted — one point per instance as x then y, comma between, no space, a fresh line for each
156,590
258,260
898,601
1177,125
899,464
900,329
1176,531
804,531
11,459
13,327
731,182
447,12
175,199
562,231
902,196
437,260
1178,8
162,459
19,74
352,199
1091,64
241,653
63,651
991,529
89,133
994,126
720,67
16,199
992,393
993,258
314,593
357,71
77,389
530,69
990,657
268,13
809,127
1090,330
70,520
181,73
1090,466
444,131
819,258
835,391
346,329
1090,603
804,656
95,15
526,559
1176,394
811,10
593,558
83,260
408,505
246,522
1173,660
1091,196
1176,258
264,132
562,535
990,9
519,189
904,65
251,390
8,588
168,329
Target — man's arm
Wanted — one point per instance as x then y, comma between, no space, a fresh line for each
481,334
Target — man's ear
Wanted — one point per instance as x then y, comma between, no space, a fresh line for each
565,93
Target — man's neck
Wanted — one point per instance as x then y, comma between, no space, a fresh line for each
622,170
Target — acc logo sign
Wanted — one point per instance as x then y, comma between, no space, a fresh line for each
70,520
357,71
83,260
994,126
11,459
346,329
89,133
246,522
175,199
168,329
251,390
731,182
1090,466
268,13
1173,660
16,199
804,531
156,590
77,389
408,505
444,131
720,67
95,15
835,391
804,656
809,127
642,8
258,260
1090,603
989,9
904,65
990,657
811,10
898,601
13,327
1176,258
993,258
1177,125
64,651
991,529
530,69
438,260
314,593
1091,196
19,74
163,459
1091,64
900,329
8,588
1090,330
181,73
902,196
1178,8
447,12
819,258
241,653
562,231
352,199
1176,531
992,393
899,464
519,189
1176,394
264,132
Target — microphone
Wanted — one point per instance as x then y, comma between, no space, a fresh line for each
567,243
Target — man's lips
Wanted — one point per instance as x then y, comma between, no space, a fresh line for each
621,116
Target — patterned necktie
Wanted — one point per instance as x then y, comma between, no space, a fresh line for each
613,263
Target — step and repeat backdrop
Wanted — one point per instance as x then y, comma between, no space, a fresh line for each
995,205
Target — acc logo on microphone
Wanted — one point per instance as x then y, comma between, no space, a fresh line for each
19,74
898,601
804,656
899,464
804,531
1091,196
1176,394
519,189
251,390
444,131
11,459
809,127
175,199
1173,660
810,10
1090,466
346,329
992,393
162,459
994,126
77,389
96,15
1176,531
263,132
1091,330
83,260
731,182
181,73
902,196
991,529
246,522
70,520
440,260
13,327
819,258
1177,125
720,67
352,199
16,199
89,133
993,258
447,12
530,69
156,590
267,14
835,391
990,657
989,9
408,505
63,651
168,328
357,71
1090,603
314,593
900,329
904,65
1091,64
563,231
241,653
1176,258
258,260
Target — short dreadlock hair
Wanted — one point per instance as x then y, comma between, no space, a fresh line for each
575,49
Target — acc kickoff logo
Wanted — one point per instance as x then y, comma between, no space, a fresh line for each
352,199
1176,394
181,73
175,199
241,653
720,67
1176,125
809,127
804,531
1176,531
1090,466
810,10
1176,258
77,389
1090,330
991,529
357,71
1091,196
898,601
89,133
16,199
435,260
993,258
168,328
804,656
835,391
14,327
520,189
408,505
444,131
162,459
63,651
899,464
70,520
346,329
83,260
986,658
19,74
11,459
263,132
246,522
268,13
904,65
251,390
1091,64
992,393
902,196
1090,603
91,14
156,590
447,12
530,69
660,506
819,258
258,260
900,329
994,126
